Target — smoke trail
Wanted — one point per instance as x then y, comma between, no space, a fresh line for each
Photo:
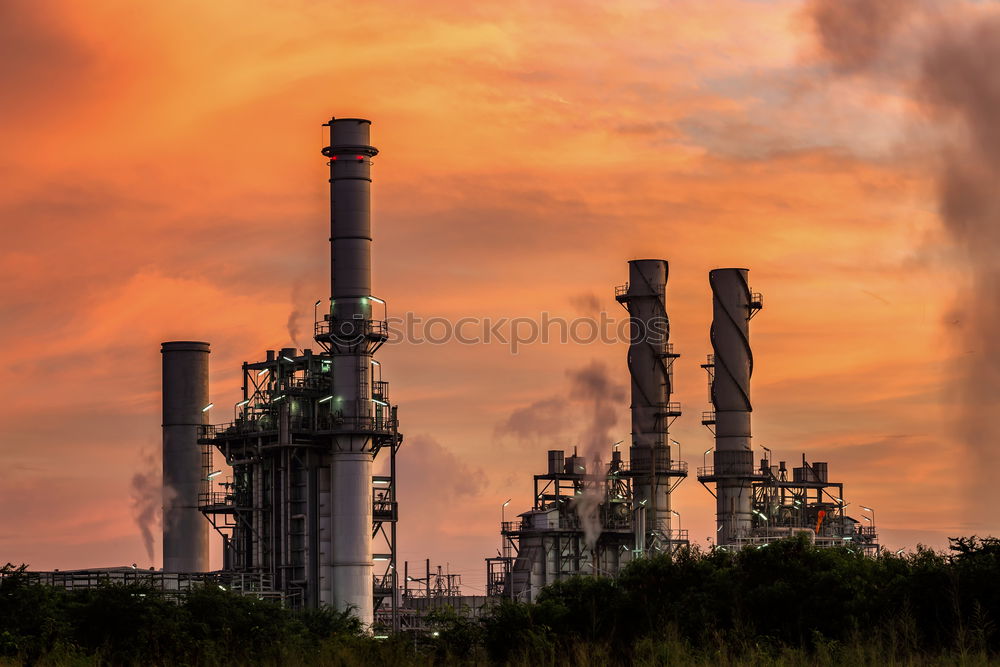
958,84
297,315
588,503
593,386
148,497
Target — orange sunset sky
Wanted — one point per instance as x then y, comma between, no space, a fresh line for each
162,179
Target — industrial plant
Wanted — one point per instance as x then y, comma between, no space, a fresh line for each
593,518
303,519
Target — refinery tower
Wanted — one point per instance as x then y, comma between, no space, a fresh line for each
302,513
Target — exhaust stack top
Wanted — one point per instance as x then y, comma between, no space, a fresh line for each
350,217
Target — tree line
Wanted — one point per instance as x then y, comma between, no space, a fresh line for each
788,603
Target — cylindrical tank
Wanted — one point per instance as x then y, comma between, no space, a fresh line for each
733,359
821,468
557,461
185,395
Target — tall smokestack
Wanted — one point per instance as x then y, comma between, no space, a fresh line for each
733,306
650,360
353,337
185,395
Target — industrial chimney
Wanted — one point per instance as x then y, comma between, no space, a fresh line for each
352,338
650,365
185,395
731,366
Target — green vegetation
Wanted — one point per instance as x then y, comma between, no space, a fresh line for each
787,603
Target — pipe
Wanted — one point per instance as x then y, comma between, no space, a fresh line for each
185,395
733,360
786,530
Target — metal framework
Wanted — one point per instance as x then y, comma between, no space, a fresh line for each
807,503
581,523
303,505
173,585
269,511
757,505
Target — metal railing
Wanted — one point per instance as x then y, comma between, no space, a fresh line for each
621,290
674,466
348,330
169,583
228,499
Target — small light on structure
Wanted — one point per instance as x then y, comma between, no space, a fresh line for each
279,398
375,363
507,503
719,529
318,301
380,557
242,403
899,551
324,400
377,300
867,509
221,587
435,634
208,407
266,370
867,518
213,474
378,402
288,359
381,636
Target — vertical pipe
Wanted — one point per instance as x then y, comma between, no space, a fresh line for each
649,368
733,457
185,394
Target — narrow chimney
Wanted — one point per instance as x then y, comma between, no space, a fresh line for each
185,395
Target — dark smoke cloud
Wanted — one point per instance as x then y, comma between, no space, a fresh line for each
39,54
958,84
592,399
586,303
547,418
854,33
